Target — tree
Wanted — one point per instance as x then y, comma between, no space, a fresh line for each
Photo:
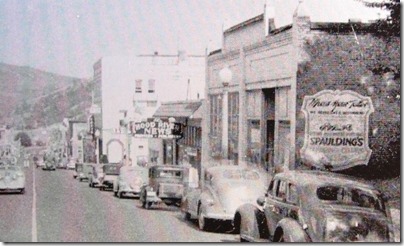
24,139
390,26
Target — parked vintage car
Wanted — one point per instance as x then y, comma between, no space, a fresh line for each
12,179
82,171
49,166
224,189
95,176
39,163
62,164
130,180
71,165
165,185
316,206
111,172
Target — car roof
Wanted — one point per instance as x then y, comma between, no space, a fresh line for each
318,178
172,167
224,167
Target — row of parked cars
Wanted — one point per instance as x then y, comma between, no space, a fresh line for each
296,206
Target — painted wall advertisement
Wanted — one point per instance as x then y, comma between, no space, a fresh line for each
157,128
336,131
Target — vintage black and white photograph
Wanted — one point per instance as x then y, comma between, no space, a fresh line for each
200,121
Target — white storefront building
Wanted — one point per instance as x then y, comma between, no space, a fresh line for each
132,88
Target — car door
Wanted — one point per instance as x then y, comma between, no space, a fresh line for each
275,203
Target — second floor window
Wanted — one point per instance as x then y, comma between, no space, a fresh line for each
138,88
152,84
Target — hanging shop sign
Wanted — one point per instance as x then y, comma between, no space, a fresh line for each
157,128
336,132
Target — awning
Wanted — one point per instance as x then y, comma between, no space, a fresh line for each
181,109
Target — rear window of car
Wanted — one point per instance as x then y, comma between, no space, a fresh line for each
169,174
111,169
241,174
350,196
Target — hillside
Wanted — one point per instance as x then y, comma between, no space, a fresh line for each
33,98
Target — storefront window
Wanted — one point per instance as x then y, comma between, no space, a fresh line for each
254,142
215,124
233,105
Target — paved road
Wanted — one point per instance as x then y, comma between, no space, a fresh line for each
67,210
58,208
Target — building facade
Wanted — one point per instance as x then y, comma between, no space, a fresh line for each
132,88
253,117
186,150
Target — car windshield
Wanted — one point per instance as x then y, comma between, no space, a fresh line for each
241,174
350,196
111,169
169,174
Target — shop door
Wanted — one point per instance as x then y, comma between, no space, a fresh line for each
269,151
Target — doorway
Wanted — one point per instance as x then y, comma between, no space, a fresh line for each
269,116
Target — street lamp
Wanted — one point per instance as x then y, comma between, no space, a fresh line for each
97,151
125,123
225,76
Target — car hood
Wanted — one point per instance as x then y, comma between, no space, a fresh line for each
233,195
354,225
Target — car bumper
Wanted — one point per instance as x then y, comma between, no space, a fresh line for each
12,185
218,216
129,191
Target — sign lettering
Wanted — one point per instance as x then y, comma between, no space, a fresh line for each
336,131
156,128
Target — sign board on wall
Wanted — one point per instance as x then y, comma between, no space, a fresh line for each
157,128
336,132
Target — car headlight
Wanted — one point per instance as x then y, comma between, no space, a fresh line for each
210,202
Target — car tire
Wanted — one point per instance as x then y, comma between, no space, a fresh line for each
187,216
148,205
119,194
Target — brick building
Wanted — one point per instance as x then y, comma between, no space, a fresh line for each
255,117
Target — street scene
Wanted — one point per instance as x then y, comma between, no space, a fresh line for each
199,121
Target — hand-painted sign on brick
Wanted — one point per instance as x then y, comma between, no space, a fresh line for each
336,132
156,128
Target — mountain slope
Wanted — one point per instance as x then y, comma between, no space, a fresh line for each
32,98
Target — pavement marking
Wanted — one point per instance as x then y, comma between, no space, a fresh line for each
34,229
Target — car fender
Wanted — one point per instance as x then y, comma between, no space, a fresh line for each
202,201
292,230
250,223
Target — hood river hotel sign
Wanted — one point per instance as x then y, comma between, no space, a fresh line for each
336,132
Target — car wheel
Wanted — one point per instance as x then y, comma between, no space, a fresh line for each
148,205
101,188
119,195
186,215
279,237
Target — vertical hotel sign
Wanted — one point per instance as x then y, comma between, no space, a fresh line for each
337,126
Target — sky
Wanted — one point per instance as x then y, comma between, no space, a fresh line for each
68,36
